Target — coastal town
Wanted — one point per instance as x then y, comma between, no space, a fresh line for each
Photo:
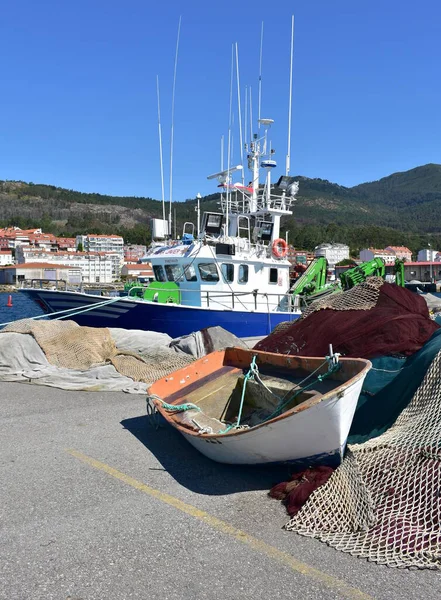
28,255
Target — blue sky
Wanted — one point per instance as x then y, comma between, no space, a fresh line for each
78,79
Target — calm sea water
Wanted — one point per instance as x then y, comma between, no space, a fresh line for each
22,307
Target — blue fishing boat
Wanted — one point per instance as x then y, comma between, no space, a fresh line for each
231,269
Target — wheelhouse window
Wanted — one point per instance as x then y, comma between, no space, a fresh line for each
243,274
190,273
174,272
159,273
208,272
228,272
273,275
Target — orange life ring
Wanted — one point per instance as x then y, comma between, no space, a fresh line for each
280,248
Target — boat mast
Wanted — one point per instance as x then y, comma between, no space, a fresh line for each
229,143
172,129
288,156
239,113
251,115
260,77
255,142
161,162
254,155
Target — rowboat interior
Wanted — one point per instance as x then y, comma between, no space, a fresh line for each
284,385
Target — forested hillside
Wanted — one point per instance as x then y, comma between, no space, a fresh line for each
402,209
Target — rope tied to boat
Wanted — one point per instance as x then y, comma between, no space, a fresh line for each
180,407
170,407
332,360
252,374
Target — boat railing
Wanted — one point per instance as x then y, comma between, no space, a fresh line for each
273,302
232,300
239,201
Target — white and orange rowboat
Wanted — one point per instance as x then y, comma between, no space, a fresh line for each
284,409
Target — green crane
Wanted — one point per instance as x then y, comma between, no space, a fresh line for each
312,284
372,268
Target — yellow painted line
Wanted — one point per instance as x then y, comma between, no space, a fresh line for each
260,546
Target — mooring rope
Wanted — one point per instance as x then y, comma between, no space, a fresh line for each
70,311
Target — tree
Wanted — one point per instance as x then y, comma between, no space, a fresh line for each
346,262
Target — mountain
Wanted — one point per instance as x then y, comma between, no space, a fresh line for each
409,201
411,197
404,186
401,207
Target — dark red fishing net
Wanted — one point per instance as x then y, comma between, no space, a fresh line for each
295,492
398,324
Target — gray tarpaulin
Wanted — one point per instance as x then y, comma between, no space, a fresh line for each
22,359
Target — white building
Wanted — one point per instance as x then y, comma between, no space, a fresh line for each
333,253
18,273
371,253
428,255
101,243
6,257
96,267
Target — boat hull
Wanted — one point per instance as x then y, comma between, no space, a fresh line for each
172,319
314,432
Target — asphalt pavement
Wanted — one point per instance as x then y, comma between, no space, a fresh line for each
98,504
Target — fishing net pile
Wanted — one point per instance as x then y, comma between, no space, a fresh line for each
372,319
69,346
384,502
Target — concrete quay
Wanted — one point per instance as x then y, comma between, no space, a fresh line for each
98,504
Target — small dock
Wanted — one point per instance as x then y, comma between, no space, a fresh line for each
98,504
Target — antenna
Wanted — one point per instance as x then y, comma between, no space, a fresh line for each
172,128
288,156
251,115
223,175
160,149
239,111
246,112
260,74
